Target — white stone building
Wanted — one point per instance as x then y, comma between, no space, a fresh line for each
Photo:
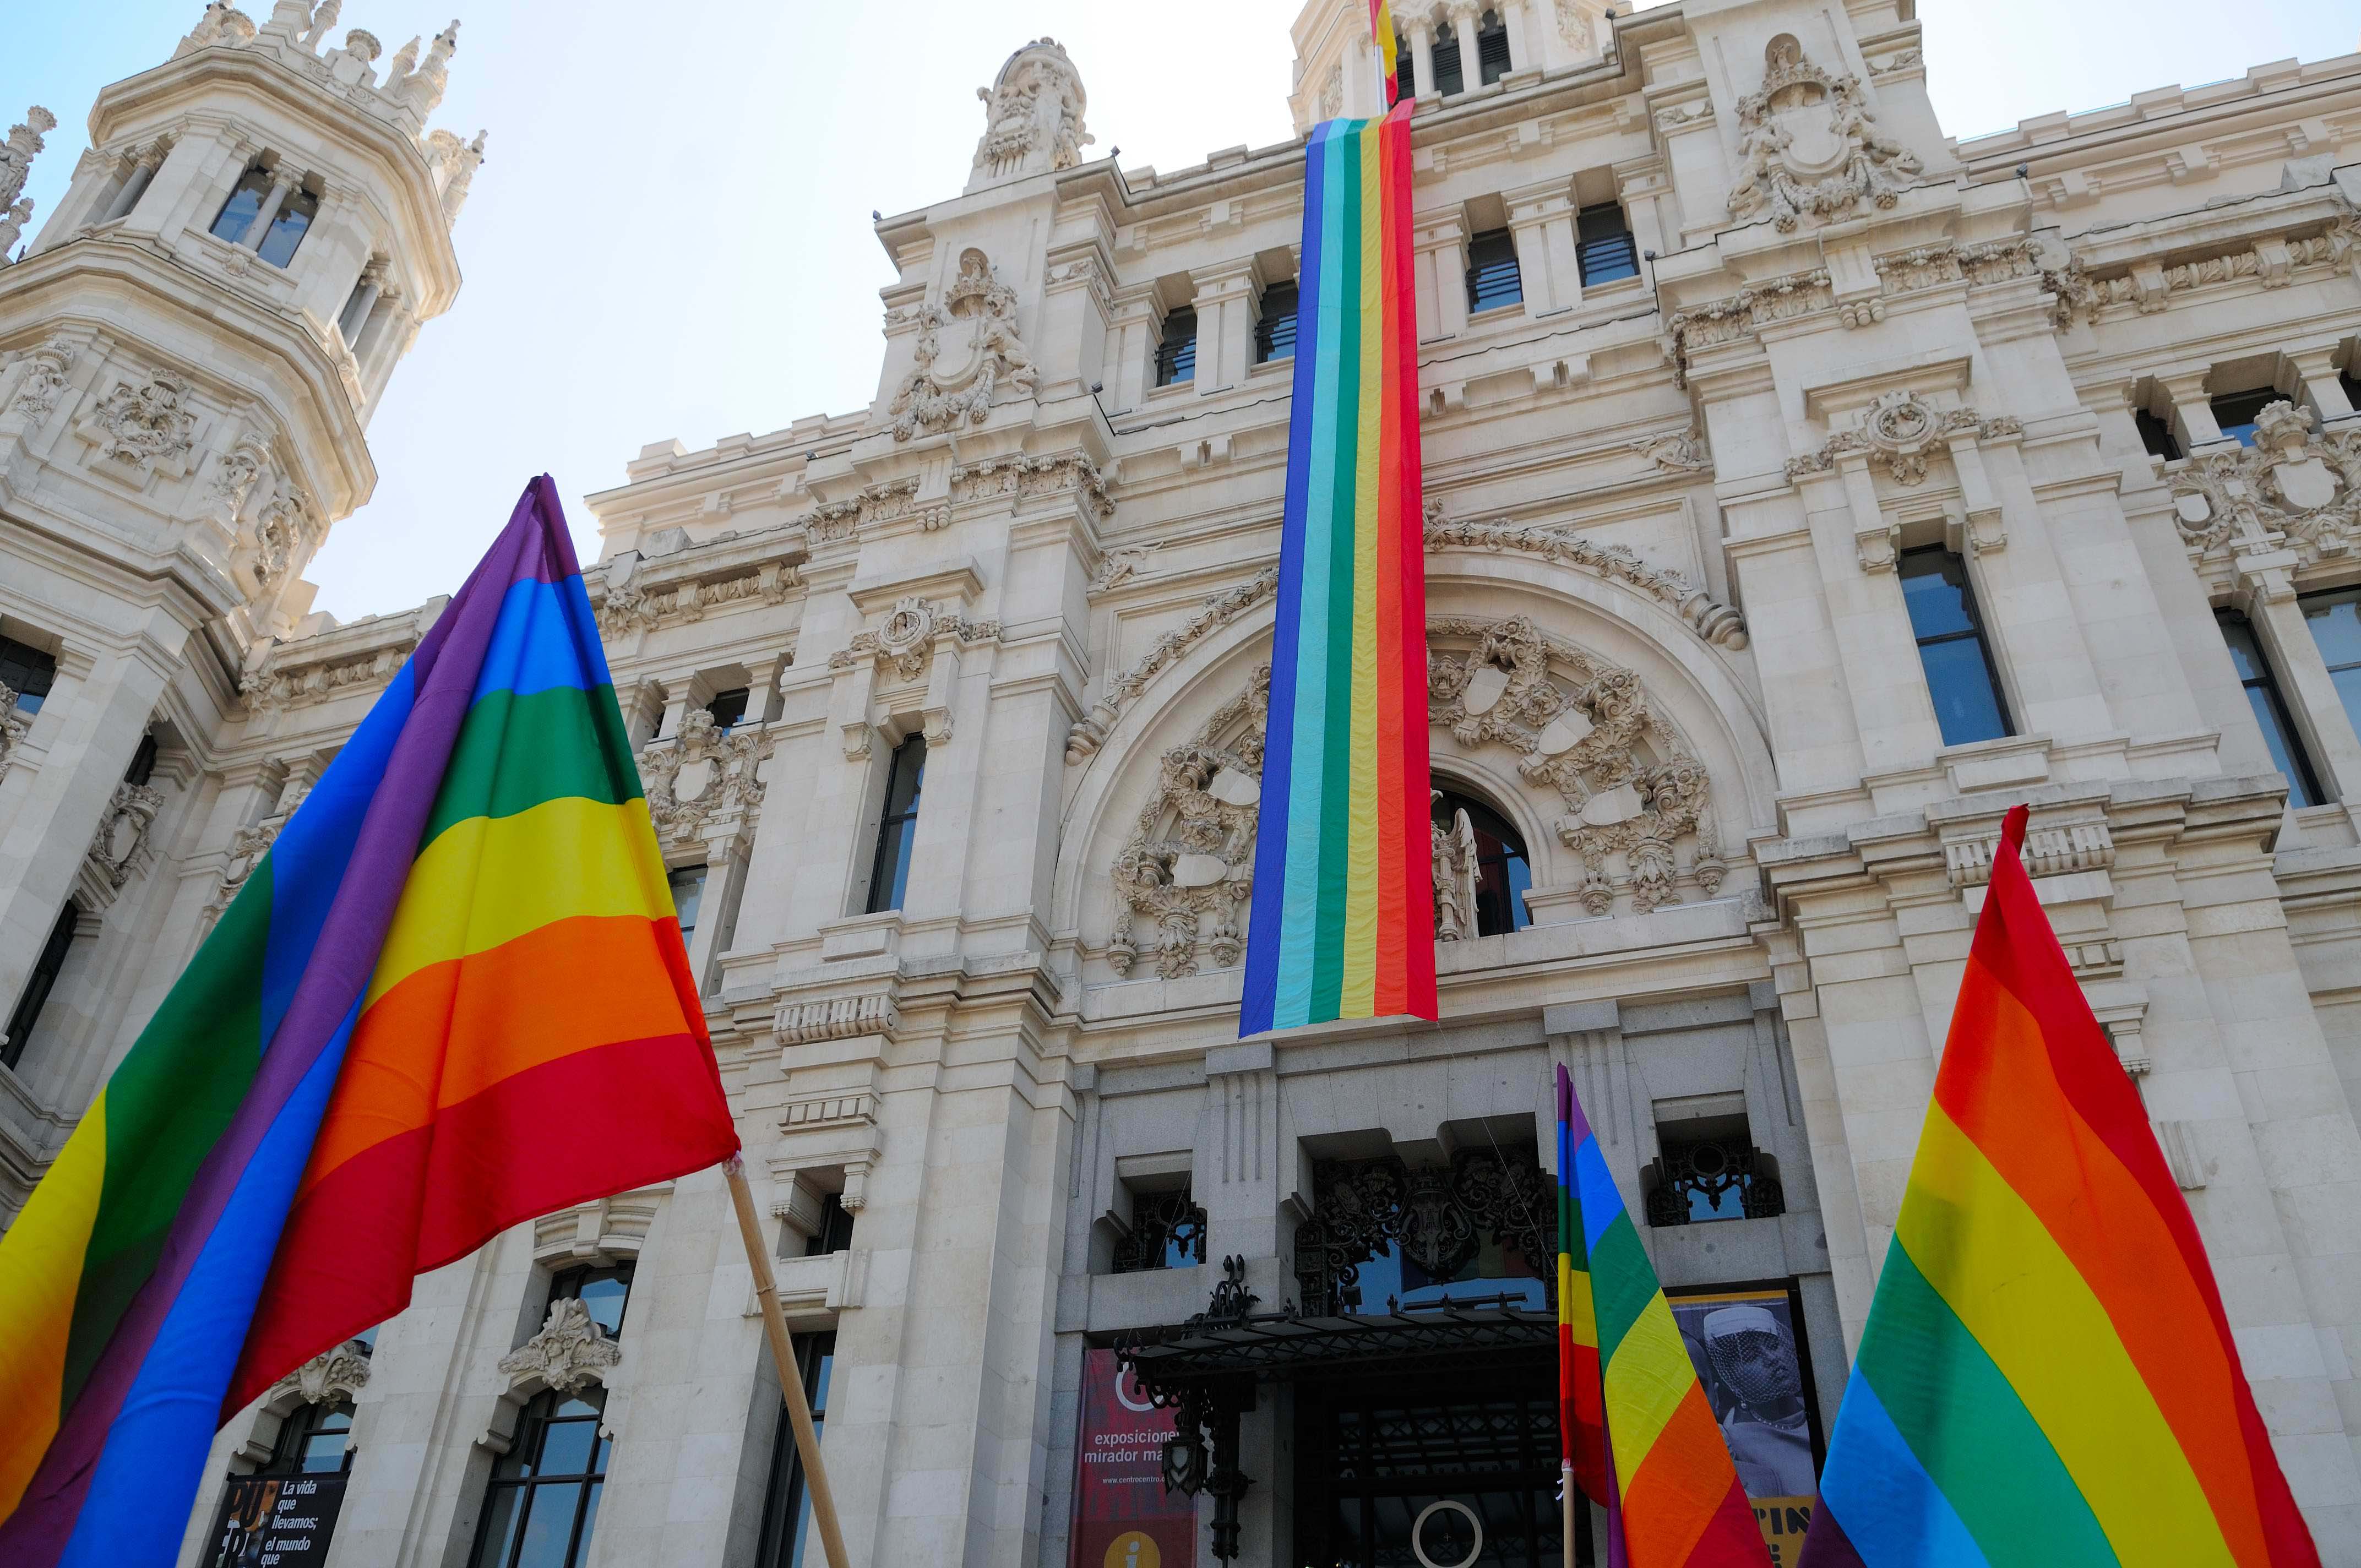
1807,488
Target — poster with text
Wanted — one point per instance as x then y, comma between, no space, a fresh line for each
1123,1516
1743,1343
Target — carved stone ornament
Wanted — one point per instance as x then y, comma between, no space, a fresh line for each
1717,623
1027,478
12,725
2270,261
570,1350
906,638
1718,322
330,1375
1456,874
1120,566
1632,788
1091,730
1899,432
2292,489
122,831
968,344
628,607
1187,870
1437,1218
246,848
293,684
1808,145
701,774
1677,451
18,153
145,424
1032,115
44,380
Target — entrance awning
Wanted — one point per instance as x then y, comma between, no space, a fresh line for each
1282,1345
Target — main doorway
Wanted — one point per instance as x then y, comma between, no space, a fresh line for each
1445,1470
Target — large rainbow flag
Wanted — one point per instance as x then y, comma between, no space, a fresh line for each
452,997
2046,1375
1343,900
1646,1444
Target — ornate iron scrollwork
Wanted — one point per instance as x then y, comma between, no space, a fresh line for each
1161,1220
1712,1168
1439,1218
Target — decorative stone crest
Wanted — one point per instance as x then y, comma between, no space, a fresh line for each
44,381
145,424
1808,144
122,832
2291,489
1032,115
1899,432
701,774
332,1375
570,1350
907,637
246,848
1632,788
968,344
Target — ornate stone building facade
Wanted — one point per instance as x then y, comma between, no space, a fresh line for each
1806,488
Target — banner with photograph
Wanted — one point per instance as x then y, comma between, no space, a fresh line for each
1747,1346
276,1521
1123,1516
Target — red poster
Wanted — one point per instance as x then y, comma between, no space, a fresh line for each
1123,1516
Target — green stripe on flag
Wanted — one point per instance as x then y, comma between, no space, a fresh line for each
1969,1430
514,753
1336,770
1623,1283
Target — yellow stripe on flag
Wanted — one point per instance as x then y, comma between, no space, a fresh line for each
40,1273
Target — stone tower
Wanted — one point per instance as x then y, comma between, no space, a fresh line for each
190,349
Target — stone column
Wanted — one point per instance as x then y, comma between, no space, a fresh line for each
2317,384
1442,250
283,181
143,171
1421,55
1542,218
1224,304
1471,66
2193,410
365,297
1515,17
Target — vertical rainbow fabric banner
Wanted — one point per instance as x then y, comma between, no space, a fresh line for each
452,997
1343,897
2047,1374
1661,1468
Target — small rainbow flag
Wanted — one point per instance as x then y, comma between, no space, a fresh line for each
1635,1423
1382,34
451,998
1343,899
2047,1374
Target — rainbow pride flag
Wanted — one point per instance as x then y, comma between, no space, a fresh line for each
2047,1374
1646,1444
452,997
1343,924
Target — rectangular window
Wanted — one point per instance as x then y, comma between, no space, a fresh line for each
1491,48
2352,388
1603,246
605,1292
2236,412
2156,436
1275,332
27,672
288,229
1961,674
1446,56
1492,277
2335,622
2270,709
729,708
245,204
688,886
1176,351
1708,1168
835,1232
143,762
1168,1231
37,986
1405,69
897,827
541,1508
786,1539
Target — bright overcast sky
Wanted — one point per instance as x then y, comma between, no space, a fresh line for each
670,236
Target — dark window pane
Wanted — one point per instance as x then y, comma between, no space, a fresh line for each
237,214
835,1232
2301,792
39,985
2335,622
1275,332
1491,48
687,893
897,827
605,1291
27,672
566,1447
1405,69
1447,77
1492,277
1176,351
288,229
786,1509
1965,704
1935,586
2156,436
1604,249
728,707
143,762
2352,388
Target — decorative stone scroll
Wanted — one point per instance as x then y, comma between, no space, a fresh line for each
1716,622
1808,146
2150,285
296,684
968,346
14,725
570,1350
1027,478
1632,788
884,501
1899,432
2293,489
1757,306
628,607
330,1375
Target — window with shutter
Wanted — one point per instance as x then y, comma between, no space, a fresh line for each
1491,48
1275,332
1492,277
1176,351
1604,249
1447,76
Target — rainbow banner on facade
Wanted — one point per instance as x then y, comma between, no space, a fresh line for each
2047,1374
451,998
1343,900
1646,1444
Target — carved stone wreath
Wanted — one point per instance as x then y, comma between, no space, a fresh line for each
2292,488
1808,144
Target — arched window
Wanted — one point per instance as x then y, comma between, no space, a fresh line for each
1449,77
897,826
544,1502
1491,48
1503,871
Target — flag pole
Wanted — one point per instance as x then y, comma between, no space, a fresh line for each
783,1351
1566,1494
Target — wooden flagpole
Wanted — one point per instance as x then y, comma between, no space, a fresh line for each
783,1351
1566,1506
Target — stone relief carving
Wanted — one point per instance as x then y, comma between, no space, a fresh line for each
570,1350
44,380
293,686
286,528
12,725
1808,145
1119,567
884,501
968,344
246,848
332,1375
1899,432
16,164
1677,451
701,774
1091,730
123,832
838,1018
906,638
2293,488
1718,322
146,424
1030,478
1456,874
1716,622
630,606
1188,868
1033,116
2150,285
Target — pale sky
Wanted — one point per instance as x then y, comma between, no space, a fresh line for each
670,234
